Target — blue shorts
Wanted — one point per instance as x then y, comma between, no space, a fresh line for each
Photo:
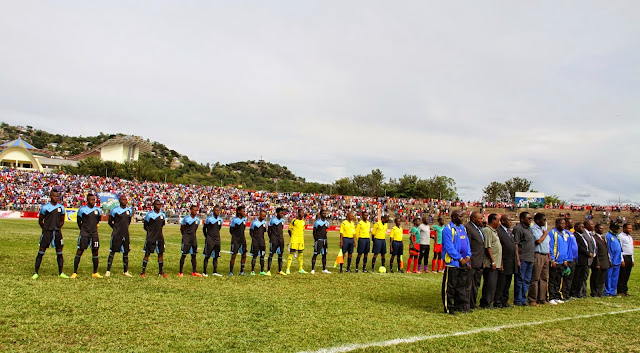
396,248
364,245
347,245
379,246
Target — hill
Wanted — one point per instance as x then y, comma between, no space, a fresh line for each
163,163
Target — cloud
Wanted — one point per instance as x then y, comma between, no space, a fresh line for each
333,89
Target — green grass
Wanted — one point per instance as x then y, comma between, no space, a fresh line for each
298,312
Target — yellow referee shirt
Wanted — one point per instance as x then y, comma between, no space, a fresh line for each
297,230
380,230
362,230
396,233
347,229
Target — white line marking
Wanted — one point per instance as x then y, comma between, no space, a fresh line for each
393,342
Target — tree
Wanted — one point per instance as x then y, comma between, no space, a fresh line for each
553,199
516,184
495,192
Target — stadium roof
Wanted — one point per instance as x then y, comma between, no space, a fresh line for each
19,142
126,140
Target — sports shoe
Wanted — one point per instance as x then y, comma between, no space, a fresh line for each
180,274
74,275
400,271
253,273
163,275
205,275
196,274
288,272
282,273
230,274
560,301
313,272
126,274
62,275
107,274
302,271
348,271
262,273
217,274
356,270
364,270
419,272
35,276
553,302
243,273
269,273
96,275
326,271
143,275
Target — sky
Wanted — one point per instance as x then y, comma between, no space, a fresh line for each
478,91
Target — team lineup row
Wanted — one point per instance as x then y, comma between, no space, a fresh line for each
359,237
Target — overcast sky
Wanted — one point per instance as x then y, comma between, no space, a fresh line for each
478,91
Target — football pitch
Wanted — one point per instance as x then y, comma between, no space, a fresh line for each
361,312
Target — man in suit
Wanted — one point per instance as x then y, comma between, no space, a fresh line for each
585,258
476,239
600,264
509,260
590,232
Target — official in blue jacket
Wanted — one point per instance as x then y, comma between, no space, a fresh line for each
456,251
559,252
615,255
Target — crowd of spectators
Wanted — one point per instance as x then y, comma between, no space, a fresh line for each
26,191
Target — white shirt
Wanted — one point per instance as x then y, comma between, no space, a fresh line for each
626,242
425,234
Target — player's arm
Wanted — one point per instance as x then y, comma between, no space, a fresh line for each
342,230
447,245
290,225
79,219
63,217
204,229
315,232
111,221
146,222
41,219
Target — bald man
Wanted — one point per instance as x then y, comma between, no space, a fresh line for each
476,239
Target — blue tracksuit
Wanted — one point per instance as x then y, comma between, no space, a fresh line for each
558,246
615,255
455,244
572,250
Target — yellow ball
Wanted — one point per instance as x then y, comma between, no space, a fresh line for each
382,269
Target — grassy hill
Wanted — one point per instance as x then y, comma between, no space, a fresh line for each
163,163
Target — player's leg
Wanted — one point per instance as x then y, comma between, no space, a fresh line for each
254,258
325,247
301,259
95,247
290,260
262,254
315,255
59,244
367,248
76,262
206,254
145,261
350,254
194,252
183,256
216,256
243,259
280,257
270,260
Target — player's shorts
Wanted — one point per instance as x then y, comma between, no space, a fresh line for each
120,244
154,246
211,249
238,248
296,246
276,248
364,245
189,248
320,247
51,238
347,245
258,250
379,246
397,248
88,242
437,248
414,250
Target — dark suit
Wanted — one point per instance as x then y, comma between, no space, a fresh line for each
476,240
601,260
586,247
509,267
